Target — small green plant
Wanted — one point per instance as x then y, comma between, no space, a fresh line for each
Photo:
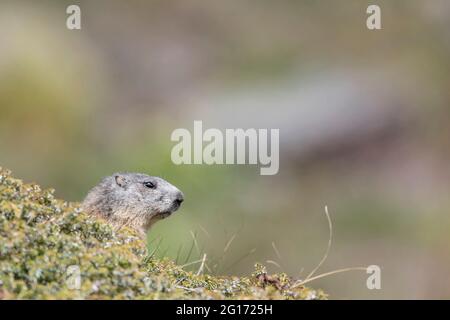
41,238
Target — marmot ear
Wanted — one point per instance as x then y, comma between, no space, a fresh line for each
120,180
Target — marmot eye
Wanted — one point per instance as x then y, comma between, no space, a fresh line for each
150,185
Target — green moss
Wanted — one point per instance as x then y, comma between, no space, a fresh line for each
41,237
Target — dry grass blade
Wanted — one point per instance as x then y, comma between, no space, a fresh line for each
194,237
274,263
227,246
326,274
189,252
276,250
154,251
178,253
208,268
330,239
311,276
204,231
200,270
240,259
191,263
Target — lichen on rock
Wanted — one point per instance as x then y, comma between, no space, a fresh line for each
42,237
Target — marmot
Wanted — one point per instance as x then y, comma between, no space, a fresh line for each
135,200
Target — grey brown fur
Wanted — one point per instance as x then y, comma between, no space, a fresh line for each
135,200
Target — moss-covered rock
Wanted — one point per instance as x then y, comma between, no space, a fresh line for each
42,240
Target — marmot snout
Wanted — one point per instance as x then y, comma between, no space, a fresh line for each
133,199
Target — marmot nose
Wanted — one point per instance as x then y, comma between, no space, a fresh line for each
179,198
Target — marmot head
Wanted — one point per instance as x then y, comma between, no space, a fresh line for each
134,199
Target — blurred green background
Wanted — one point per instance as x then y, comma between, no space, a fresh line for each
363,117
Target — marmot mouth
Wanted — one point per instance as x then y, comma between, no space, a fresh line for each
169,212
164,214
